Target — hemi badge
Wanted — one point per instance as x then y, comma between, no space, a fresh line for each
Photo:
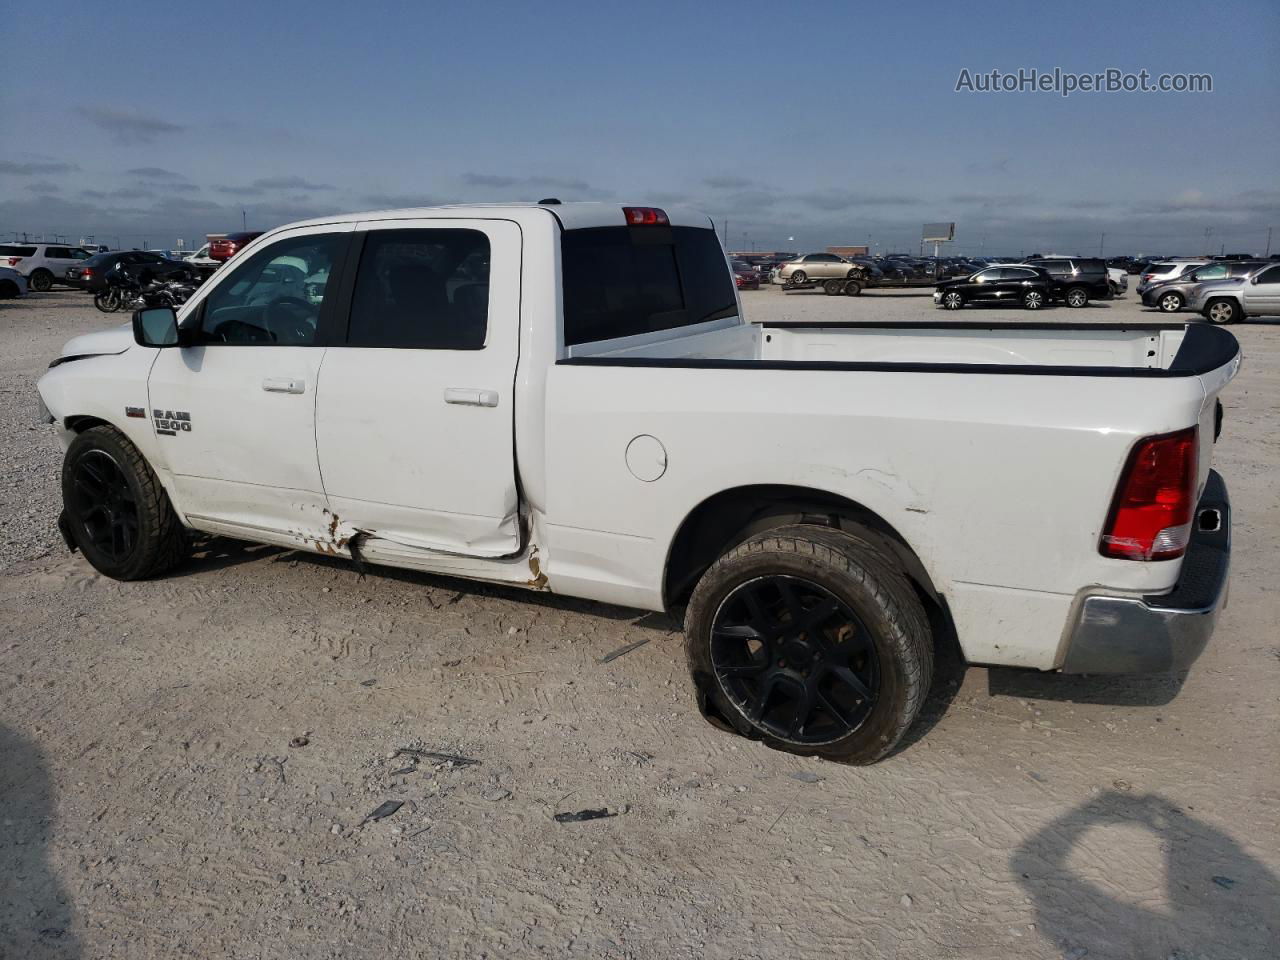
135,412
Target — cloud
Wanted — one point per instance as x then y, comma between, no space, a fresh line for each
992,199
835,200
128,127
18,168
399,201
491,181
154,173
43,186
729,183
265,185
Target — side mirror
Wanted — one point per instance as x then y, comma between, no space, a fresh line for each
155,327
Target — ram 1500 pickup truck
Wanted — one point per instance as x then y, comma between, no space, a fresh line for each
567,397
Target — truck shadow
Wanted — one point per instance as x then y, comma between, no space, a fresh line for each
1215,901
36,916
1154,691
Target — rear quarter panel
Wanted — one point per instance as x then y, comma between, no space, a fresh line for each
999,483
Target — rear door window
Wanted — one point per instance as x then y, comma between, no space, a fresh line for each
424,289
625,281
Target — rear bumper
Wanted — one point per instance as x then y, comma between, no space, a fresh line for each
1165,633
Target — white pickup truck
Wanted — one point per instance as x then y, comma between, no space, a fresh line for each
567,397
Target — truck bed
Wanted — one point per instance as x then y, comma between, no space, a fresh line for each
1081,349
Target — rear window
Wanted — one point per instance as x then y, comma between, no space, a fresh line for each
11,251
624,281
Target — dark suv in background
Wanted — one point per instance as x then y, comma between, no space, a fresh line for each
141,265
1078,279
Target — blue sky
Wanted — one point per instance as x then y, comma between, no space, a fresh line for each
831,123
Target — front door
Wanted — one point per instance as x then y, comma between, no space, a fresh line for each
1262,293
415,415
234,413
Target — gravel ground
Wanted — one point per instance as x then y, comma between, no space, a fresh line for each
188,767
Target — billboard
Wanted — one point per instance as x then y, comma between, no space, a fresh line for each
938,232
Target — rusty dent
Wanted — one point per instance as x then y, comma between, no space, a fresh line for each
539,581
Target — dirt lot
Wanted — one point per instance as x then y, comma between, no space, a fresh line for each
187,766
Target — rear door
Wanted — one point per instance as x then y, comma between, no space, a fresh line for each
414,417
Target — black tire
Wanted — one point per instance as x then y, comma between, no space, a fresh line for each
852,288
117,512
832,287
877,616
953,300
1223,310
8,289
106,301
41,280
1076,297
1170,302
1033,299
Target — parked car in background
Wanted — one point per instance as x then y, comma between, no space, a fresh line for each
745,275
1230,301
819,266
141,265
12,284
1017,284
1171,295
1078,279
1119,280
1165,270
43,264
224,248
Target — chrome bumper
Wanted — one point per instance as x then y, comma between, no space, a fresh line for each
1165,633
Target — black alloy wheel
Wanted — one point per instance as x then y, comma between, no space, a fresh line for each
104,505
798,662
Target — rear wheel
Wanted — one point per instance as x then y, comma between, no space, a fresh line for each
852,288
41,280
798,277
811,640
116,510
106,300
1170,302
1222,311
832,287
1077,297
953,300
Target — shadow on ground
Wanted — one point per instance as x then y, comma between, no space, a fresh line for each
1214,899
36,917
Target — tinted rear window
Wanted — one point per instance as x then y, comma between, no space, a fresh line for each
624,281
10,251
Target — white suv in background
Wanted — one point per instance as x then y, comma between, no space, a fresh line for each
1166,270
43,264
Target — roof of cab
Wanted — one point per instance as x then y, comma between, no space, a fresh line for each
572,216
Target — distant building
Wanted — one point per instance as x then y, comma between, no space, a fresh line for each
849,251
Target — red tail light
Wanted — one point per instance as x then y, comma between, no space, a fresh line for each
645,217
86,273
14,261
1151,515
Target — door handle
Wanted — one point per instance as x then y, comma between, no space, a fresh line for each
283,385
471,396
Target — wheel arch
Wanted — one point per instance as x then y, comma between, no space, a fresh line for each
727,518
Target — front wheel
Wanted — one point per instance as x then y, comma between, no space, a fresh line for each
810,639
1170,302
116,510
952,300
1077,297
798,277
